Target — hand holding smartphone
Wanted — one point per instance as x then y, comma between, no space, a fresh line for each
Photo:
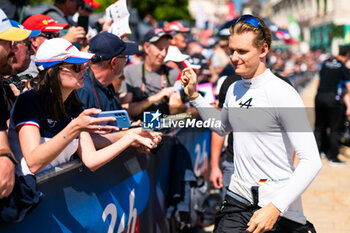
121,116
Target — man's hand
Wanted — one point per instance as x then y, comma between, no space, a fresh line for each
75,34
189,81
106,25
165,92
263,219
216,177
7,177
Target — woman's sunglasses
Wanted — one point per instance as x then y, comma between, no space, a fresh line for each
252,21
76,67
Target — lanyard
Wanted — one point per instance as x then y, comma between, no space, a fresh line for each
143,73
94,86
91,75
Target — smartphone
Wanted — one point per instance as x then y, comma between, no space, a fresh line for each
83,21
121,116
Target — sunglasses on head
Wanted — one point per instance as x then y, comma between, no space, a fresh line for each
252,21
76,67
49,35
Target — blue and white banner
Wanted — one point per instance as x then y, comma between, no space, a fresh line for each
128,195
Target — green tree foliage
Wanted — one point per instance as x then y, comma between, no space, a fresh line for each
338,31
160,9
36,2
163,9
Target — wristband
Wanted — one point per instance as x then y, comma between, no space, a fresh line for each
194,97
11,157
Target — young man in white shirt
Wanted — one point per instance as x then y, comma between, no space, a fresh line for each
269,123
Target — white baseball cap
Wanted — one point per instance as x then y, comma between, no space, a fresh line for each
174,54
10,33
57,50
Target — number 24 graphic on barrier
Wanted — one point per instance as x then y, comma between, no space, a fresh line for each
111,209
201,163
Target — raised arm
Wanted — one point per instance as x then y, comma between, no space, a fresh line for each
205,110
38,154
95,159
136,108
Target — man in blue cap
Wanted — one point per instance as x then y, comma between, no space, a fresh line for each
106,66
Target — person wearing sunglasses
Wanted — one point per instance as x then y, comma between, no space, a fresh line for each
8,48
269,122
48,124
106,67
14,83
45,28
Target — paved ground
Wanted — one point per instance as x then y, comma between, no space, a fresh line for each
327,200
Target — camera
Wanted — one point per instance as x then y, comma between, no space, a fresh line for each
17,81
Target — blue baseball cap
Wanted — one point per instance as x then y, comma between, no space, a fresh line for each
16,24
107,45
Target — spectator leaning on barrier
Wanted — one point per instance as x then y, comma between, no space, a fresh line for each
8,34
265,189
48,125
148,85
49,30
106,66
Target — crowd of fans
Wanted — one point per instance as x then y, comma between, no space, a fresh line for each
55,75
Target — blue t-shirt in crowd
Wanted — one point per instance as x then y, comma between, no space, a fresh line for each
95,95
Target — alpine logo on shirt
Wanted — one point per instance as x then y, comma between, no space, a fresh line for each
51,123
246,104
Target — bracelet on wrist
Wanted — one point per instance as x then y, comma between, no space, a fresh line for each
11,157
194,96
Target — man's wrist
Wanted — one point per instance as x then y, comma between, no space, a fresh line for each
11,157
194,96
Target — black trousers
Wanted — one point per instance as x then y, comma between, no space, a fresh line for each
233,217
329,114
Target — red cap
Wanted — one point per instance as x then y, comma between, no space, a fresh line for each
93,3
175,26
43,23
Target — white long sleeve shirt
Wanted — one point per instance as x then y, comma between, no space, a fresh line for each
269,123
